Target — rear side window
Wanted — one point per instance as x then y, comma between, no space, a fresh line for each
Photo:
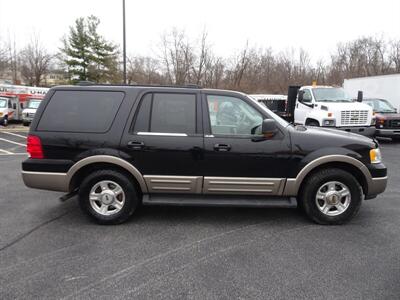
167,113
81,111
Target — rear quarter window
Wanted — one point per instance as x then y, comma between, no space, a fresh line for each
81,111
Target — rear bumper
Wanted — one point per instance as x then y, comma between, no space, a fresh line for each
46,181
366,131
388,132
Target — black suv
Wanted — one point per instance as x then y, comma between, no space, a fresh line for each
123,146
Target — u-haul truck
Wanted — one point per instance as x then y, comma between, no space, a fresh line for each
13,99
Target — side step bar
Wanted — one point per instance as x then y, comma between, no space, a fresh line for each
216,200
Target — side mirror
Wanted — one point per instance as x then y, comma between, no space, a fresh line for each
300,96
269,128
360,96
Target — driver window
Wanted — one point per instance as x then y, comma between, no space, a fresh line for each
307,96
233,116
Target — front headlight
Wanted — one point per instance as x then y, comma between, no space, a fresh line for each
331,122
1,114
375,156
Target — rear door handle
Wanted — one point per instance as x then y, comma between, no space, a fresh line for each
222,147
134,145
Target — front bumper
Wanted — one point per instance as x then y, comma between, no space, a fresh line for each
27,119
377,182
388,132
366,131
376,186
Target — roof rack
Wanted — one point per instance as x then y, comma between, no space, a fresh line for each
189,85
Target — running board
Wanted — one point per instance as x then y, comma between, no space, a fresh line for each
215,200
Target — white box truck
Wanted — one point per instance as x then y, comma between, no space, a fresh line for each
380,87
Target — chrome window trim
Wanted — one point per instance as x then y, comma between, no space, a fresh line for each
161,133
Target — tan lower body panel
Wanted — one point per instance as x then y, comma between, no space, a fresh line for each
173,184
243,185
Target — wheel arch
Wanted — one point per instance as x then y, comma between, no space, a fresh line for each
311,119
347,163
85,165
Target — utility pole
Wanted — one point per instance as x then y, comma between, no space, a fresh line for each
124,38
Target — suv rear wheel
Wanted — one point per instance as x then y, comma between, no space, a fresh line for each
331,196
108,196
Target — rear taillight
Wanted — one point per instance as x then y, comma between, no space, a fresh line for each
34,147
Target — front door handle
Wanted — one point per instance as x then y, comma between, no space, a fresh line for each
222,147
134,145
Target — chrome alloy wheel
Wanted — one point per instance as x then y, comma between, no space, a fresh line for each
333,198
107,197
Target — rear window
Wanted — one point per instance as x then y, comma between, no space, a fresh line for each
81,111
167,113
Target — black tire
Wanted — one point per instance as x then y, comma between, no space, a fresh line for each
25,123
5,122
129,189
396,139
316,181
313,123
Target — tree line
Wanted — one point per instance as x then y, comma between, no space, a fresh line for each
84,54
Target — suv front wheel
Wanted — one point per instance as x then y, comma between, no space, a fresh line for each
108,196
331,196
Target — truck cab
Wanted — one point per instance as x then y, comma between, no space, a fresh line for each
29,112
327,106
10,109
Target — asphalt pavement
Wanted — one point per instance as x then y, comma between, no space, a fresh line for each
49,249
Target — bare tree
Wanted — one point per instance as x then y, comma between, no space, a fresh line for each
144,70
35,62
395,55
178,57
4,57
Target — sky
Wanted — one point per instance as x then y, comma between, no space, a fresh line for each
316,26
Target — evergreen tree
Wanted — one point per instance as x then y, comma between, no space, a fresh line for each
88,55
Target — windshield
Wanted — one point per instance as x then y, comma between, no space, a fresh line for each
380,105
331,95
3,103
33,104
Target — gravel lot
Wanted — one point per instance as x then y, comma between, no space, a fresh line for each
49,249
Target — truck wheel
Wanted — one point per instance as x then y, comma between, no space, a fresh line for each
5,122
313,123
25,123
108,196
331,196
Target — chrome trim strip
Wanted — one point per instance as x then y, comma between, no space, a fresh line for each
293,184
243,185
111,160
176,184
46,180
162,134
